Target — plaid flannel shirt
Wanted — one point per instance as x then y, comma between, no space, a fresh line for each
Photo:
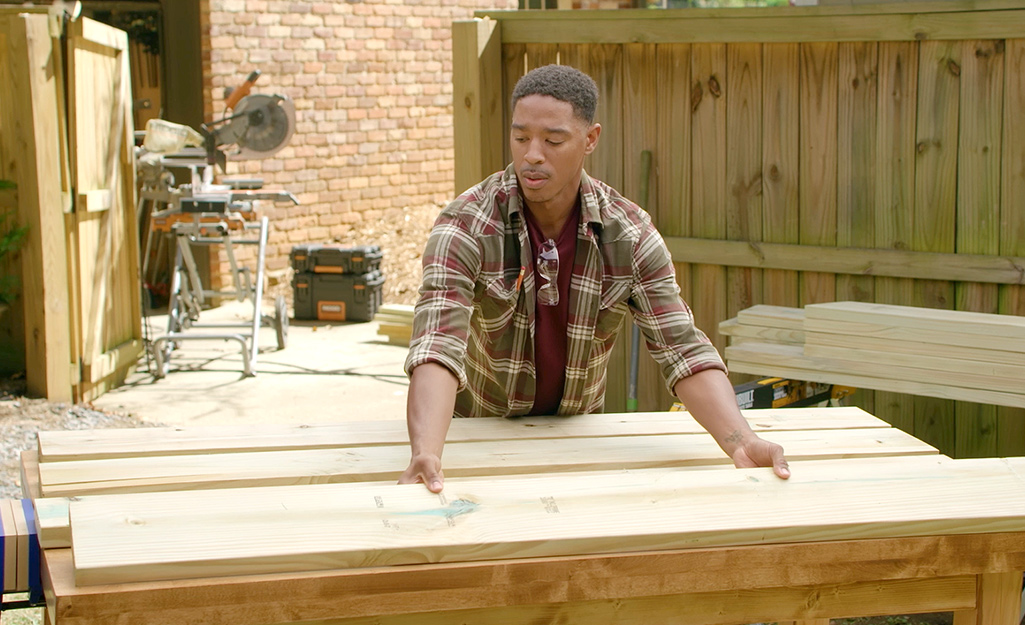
473,319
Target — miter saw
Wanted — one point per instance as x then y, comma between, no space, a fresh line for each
202,213
258,125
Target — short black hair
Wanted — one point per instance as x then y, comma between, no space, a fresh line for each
561,82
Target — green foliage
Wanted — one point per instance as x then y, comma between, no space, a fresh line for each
11,238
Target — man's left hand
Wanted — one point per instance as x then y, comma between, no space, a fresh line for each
758,452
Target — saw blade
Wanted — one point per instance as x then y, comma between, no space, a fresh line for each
267,124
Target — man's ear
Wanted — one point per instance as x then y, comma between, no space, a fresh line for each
592,138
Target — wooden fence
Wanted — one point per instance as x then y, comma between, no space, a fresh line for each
66,141
800,155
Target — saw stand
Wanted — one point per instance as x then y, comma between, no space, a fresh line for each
201,215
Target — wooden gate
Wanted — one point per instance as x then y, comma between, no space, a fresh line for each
73,162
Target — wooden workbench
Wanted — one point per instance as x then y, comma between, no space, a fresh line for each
964,553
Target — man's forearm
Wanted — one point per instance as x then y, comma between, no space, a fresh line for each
709,398
431,400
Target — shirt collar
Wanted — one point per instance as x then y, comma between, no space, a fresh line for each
589,209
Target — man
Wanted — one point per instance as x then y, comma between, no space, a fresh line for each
527,279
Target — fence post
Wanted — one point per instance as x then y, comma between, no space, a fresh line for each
477,105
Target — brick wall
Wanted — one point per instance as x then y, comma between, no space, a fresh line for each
371,81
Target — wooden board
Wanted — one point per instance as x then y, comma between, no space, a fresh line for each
122,540
10,538
790,362
313,466
784,317
1005,377
257,599
953,352
914,318
57,446
887,331
736,330
888,365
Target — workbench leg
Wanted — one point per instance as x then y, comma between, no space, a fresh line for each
998,601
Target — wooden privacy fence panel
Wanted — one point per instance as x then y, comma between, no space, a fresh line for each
74,169
800,155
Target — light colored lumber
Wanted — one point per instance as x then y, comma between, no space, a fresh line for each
888,367
734,329
784,317
724,608
256,600
136,539
915,318
53,526
22,539
147,474
1010,376
55,446
32,134
10,538
896,346
759,362
887,331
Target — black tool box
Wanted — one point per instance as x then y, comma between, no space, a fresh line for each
335,259
337,296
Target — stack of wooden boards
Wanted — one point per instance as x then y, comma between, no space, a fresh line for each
395,323
323,497
937,353
19,547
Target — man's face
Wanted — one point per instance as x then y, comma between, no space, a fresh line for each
549,144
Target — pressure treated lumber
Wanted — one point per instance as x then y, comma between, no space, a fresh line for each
724,608
952,352
738,332
258,599
1000,376
761,362
395,322
889,366
318,466
785,317
133,538
64,445
915,318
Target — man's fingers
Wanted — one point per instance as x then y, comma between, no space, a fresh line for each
779,462
435,482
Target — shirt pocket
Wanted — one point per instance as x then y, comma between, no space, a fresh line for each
497,308
612,308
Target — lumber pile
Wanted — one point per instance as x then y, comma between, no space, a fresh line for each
183,535
938,353
395,323
344,466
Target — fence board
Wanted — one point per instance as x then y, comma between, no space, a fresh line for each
857,117
709,89
935,205
780,117
978,211
1010,421
744,168
818,158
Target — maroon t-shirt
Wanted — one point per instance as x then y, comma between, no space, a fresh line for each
550,322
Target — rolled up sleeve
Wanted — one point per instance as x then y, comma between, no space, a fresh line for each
441,318
680,348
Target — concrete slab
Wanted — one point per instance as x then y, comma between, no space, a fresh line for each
328,372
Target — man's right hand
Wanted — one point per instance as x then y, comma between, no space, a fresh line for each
424,469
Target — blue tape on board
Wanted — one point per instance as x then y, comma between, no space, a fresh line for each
35,579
